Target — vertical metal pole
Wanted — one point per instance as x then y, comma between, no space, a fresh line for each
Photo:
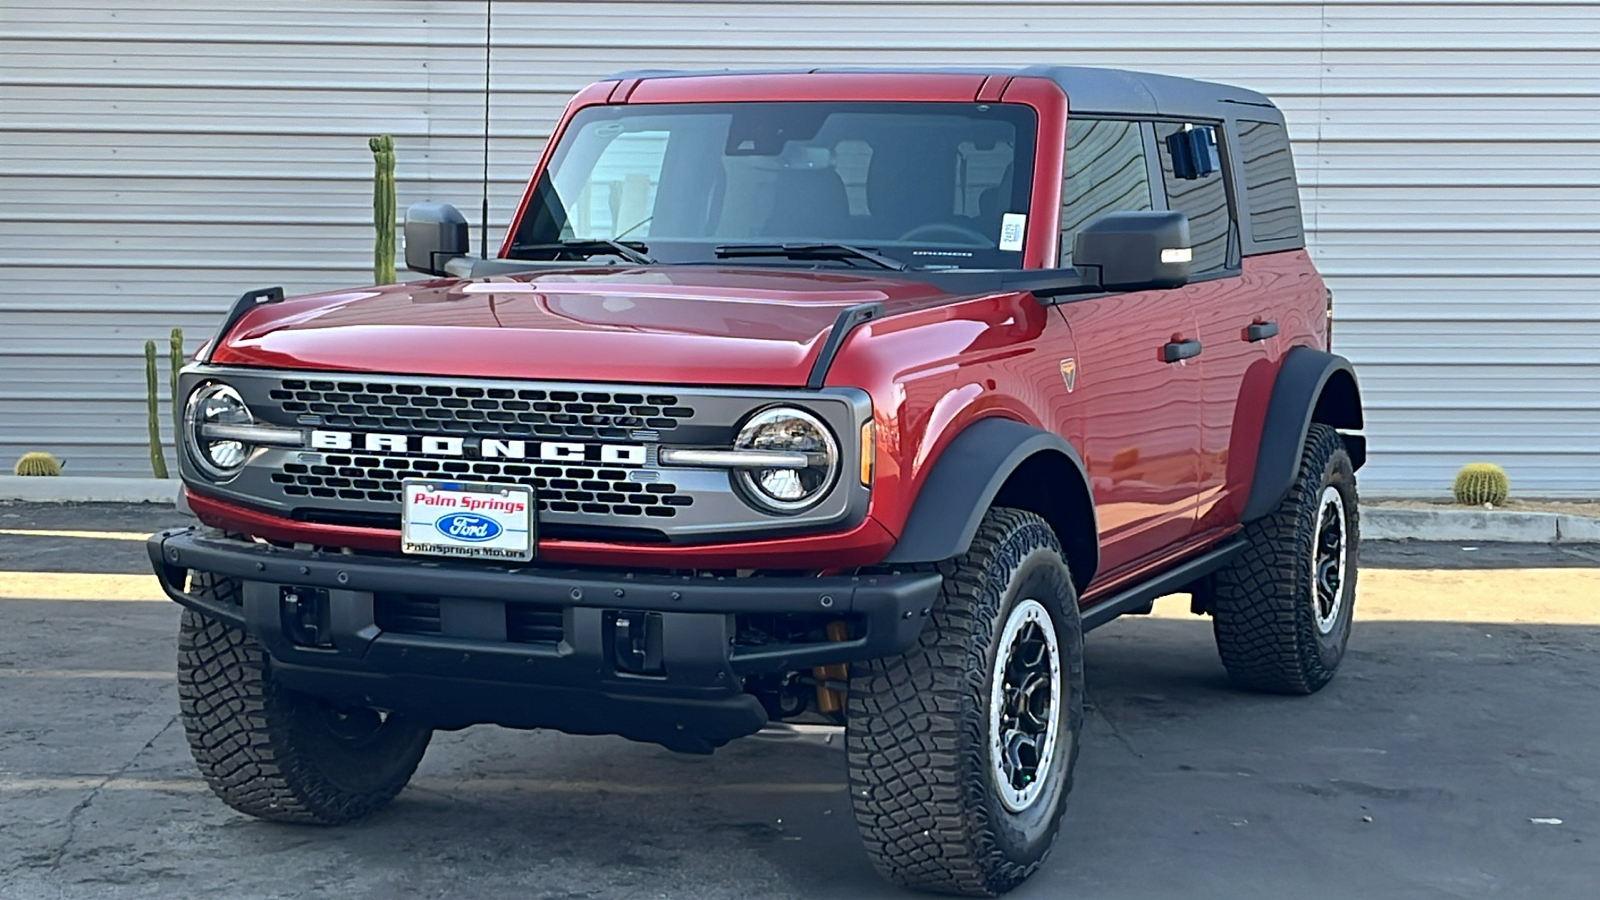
483,221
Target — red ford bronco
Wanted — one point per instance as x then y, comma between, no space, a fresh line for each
838,396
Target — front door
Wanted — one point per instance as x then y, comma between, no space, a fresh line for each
1138,419
1135,415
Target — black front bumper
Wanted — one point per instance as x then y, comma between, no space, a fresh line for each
580,677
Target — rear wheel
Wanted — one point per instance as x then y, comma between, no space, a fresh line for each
274,753
1282,610
961,750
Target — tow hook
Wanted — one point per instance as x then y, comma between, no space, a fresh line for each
306,616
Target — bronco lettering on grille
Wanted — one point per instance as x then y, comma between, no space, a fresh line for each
484,448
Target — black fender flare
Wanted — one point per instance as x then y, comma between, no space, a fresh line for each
970,474
1311,386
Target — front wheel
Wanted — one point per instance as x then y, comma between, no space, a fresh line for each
274,753
961,751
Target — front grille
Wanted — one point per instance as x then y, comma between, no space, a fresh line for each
590,451
473,410
559,488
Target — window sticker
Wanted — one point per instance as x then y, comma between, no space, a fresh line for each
1012,228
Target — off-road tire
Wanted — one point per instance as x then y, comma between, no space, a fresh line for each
917,728
1263,604
273,753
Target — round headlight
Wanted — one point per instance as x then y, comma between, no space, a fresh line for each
216,404
786,429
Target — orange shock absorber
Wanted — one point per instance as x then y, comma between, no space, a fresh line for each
829,700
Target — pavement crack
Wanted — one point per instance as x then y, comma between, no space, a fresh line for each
1115,731
433,792
94,792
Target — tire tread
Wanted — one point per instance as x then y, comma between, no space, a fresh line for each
1264,630
914,743
239,728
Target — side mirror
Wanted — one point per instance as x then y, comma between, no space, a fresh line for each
1194,152
1134,251
435,234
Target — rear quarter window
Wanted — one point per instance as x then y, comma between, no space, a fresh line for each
1271,194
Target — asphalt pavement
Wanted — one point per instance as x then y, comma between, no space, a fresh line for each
1454,756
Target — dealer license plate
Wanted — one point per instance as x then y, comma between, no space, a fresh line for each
468,520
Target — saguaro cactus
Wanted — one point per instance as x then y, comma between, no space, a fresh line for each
1480,483
382,208
175,362
158,460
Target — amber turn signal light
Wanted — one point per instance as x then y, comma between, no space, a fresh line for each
868,444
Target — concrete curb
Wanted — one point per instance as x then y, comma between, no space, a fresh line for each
1477,525
88,489
1578,529
1376,524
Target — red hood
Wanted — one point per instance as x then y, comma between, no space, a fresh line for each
709,325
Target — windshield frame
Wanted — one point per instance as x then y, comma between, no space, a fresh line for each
1032,138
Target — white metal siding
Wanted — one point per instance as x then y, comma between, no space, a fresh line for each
158,158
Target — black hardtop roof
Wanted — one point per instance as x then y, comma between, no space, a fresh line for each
1088,90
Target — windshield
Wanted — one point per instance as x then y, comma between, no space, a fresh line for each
930,185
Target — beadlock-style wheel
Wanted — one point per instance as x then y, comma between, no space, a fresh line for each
961,750
1024,703
1282,610
1329,558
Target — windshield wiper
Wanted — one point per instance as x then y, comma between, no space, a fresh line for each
809,251
632,252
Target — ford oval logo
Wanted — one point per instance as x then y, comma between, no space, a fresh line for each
469,527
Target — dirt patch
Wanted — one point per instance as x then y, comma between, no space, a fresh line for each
1589,508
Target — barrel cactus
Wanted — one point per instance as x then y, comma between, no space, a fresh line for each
382,208
37,463
1480,483
158,459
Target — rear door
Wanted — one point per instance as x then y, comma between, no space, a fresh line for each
1278,288
1224,303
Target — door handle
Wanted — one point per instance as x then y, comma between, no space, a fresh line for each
1177,350
1260,331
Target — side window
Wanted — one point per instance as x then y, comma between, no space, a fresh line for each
1198,192
1105,172
1272,197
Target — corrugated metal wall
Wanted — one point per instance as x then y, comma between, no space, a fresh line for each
158,158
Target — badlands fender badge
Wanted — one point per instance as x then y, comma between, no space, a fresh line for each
1069,373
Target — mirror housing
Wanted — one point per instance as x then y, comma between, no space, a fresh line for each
1132,251
1194,152
435,234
